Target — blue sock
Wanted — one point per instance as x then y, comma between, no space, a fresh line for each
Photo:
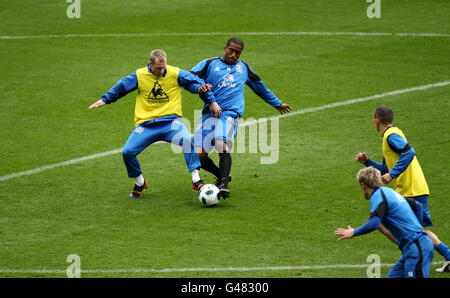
443,250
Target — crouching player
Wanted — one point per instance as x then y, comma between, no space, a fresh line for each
158,112
390,210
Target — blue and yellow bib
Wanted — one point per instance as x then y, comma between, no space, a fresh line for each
411,182
157,96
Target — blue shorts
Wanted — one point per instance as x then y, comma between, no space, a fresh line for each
147,133
210,129
426,221
416,259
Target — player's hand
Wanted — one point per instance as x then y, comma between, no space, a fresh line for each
361,157
345,233
284,108
204,88
215,109
97,104
386,178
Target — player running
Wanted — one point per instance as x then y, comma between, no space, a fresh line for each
390,209
401,167
157,114
227,75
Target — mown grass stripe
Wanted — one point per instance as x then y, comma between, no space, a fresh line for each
299,112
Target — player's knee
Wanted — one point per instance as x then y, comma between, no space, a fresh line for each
223,147
128,152
187,142
202,155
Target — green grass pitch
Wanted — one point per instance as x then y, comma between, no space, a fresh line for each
281,214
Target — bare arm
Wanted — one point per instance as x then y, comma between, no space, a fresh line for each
387,233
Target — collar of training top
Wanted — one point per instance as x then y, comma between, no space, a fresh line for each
150,70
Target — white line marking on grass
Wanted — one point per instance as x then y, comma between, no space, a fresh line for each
60,164
303,111
219,269
362,99
299,33
169,270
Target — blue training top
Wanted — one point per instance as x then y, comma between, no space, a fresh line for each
228,82
396,215
129,83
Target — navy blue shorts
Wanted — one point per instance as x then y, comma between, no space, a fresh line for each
426,221
416,259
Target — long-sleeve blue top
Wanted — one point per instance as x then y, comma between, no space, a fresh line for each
187,80
372,224
397,144
228,81
398,218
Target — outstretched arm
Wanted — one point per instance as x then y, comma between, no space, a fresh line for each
362,158
261,90
257,85
372,224
120,89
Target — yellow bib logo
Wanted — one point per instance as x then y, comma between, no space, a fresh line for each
157,94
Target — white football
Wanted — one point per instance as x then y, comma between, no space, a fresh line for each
209,195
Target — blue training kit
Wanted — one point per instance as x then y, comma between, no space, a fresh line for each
168,128
228,82
145,134
389,208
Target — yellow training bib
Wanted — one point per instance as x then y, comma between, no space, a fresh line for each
411,182
157,96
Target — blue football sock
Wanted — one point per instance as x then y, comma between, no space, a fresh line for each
443,250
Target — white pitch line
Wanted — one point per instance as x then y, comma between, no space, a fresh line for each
303,111
60,164
363,99
293,33
169,270
212,269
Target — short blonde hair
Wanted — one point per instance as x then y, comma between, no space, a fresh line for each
370,176
157,54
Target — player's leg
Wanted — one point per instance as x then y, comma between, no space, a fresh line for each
427,250
398,270
224,134
418,257
139,139
440,247
225,162
208,164
204,143
426,220
177,134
